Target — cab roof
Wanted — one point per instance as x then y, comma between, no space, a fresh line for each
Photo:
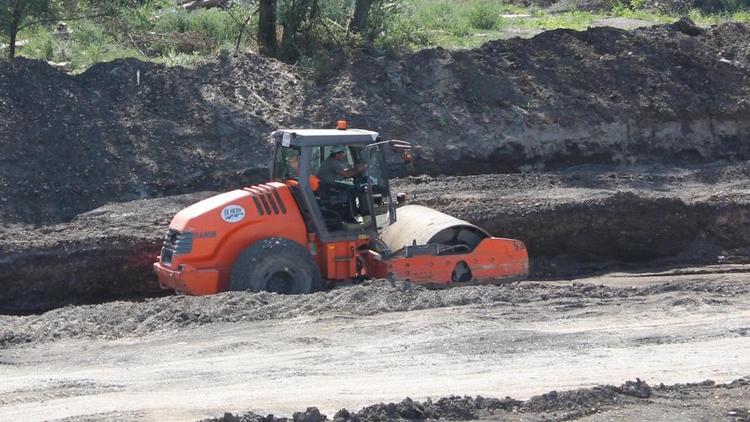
323,137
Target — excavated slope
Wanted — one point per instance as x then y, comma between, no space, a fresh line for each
130,130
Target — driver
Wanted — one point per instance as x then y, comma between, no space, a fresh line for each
334,168
293,173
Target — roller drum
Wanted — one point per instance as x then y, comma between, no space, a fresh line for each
422,225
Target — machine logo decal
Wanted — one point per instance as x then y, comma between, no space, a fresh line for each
233,213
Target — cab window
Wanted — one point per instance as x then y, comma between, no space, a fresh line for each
286,163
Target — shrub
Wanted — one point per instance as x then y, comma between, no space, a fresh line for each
42,45
484,15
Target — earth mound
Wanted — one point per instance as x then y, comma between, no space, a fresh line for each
130,130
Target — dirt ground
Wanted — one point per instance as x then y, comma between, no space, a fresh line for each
189,358
618,157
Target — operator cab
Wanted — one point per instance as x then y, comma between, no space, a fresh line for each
352,201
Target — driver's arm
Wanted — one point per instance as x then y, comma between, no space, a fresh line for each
358,169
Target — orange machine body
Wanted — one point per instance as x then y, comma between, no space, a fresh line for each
422,245
212,233
493,259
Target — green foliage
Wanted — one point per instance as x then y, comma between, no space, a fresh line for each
391,29
215,24
484,15
15,15
338,11
42,45
572,20
21,11
140,18
316,31
88,43
743,16
173,58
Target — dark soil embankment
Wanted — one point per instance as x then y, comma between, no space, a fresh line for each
575,222
129,130
633,400
102,255
587,219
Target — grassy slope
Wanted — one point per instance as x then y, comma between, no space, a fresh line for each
419,24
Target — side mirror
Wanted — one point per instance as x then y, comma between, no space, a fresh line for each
404,148
401,198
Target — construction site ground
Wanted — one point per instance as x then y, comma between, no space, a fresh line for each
619,158
190,358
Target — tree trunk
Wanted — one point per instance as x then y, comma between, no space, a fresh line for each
267,28
15,21
359,20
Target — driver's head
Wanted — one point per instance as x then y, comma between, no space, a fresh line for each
294,163
338,152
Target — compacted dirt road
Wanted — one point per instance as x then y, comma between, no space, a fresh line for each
191,358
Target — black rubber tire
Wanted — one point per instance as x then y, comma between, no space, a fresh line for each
278,265
461,273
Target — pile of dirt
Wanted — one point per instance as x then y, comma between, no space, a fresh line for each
129,130
610,402
126,319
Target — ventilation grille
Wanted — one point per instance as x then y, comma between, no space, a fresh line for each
267,200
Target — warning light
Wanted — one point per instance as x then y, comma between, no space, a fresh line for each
341,125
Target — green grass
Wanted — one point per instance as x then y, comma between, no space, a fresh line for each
470,23
182,59
87,44
92,42
216,25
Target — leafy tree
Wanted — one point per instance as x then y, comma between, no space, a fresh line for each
15,15
298,17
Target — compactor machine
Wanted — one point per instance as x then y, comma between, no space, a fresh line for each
318,222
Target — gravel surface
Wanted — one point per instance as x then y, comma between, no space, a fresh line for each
189,358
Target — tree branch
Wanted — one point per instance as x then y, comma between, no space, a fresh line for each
72,18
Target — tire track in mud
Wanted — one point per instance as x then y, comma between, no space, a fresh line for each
57,389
